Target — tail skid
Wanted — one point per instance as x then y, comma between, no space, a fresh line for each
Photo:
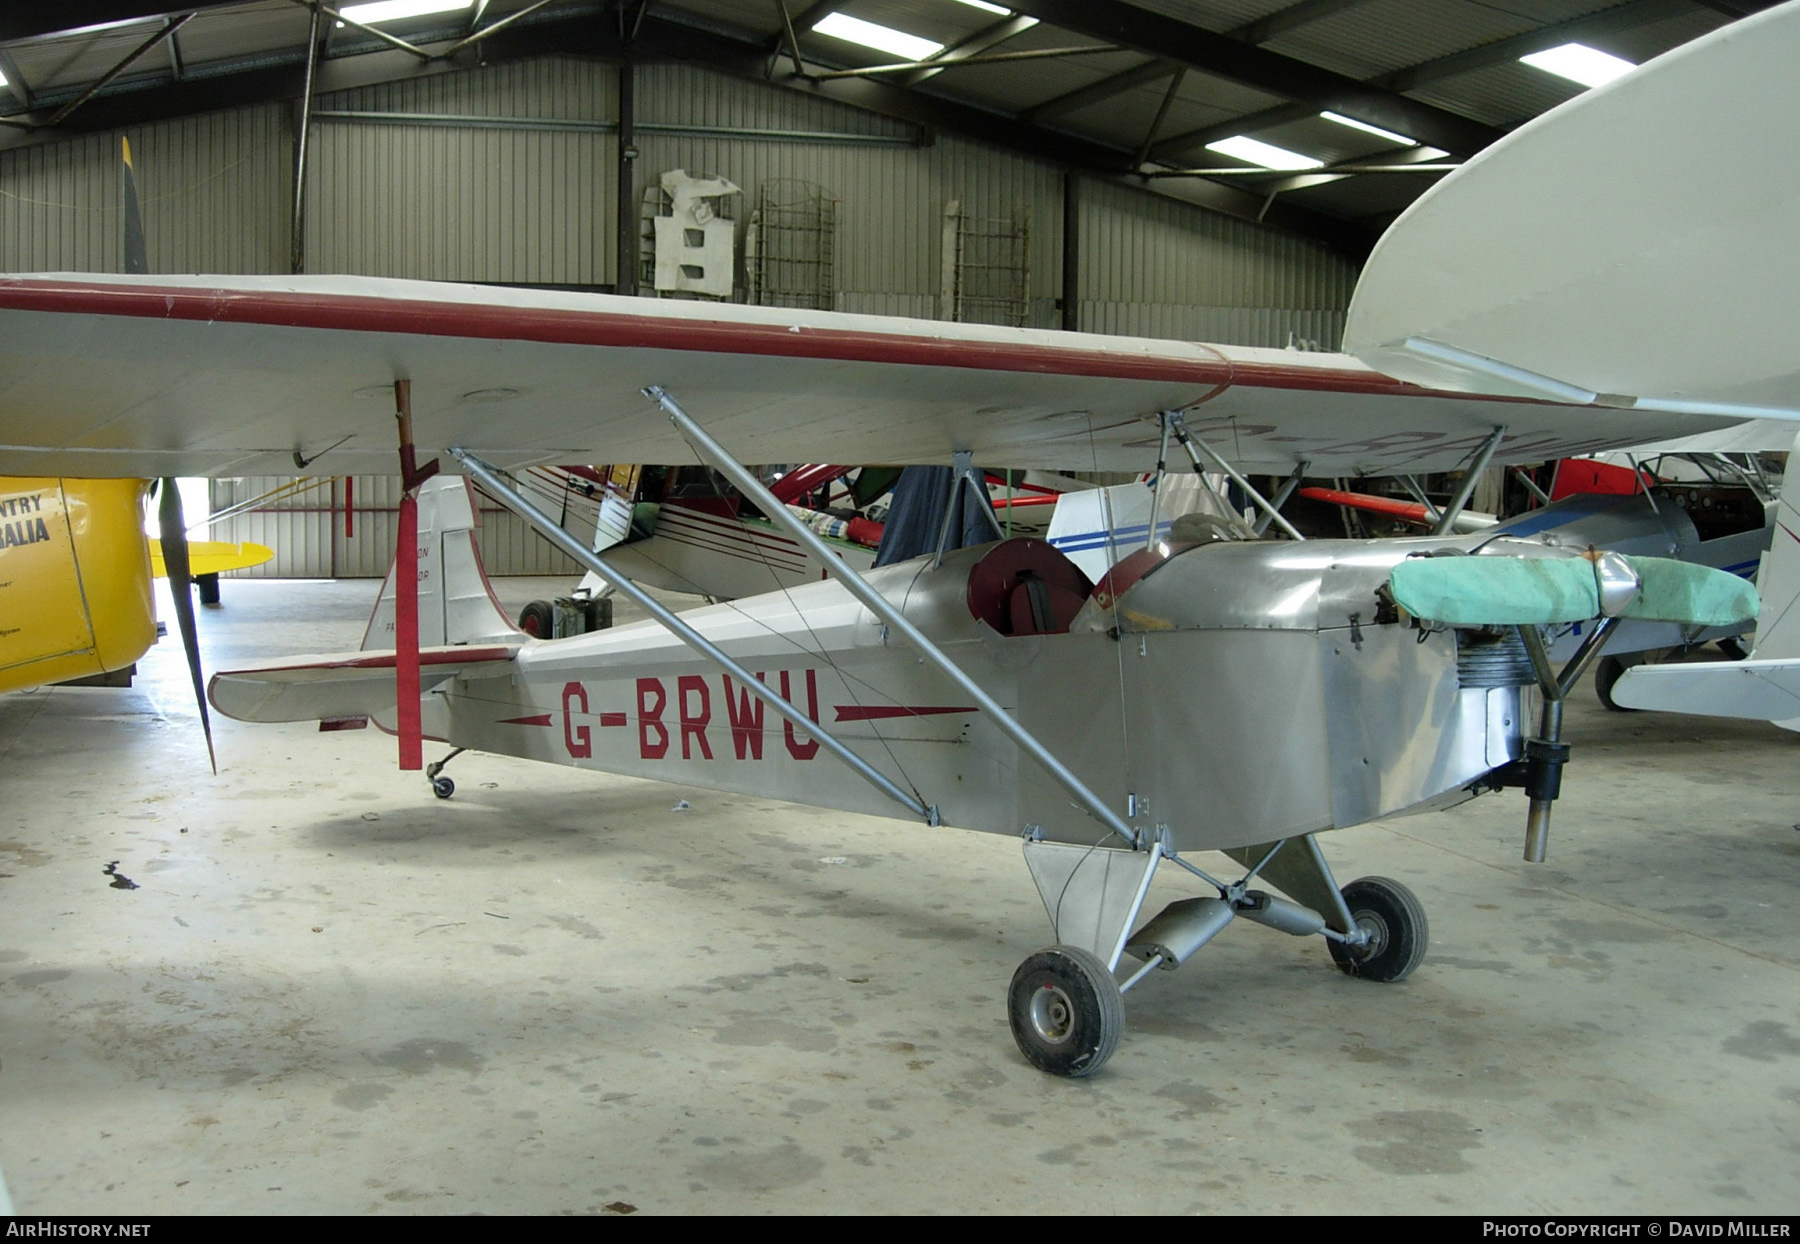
457,604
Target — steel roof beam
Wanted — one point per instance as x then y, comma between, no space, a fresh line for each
1106,88
1500,51
1225,57
167,32
662,37
21,89
974,45
19,22
1291,18
1623,17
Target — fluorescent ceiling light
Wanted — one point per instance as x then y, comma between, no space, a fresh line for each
1252,152
985,7
881,38
1579,63
1366,128
399,10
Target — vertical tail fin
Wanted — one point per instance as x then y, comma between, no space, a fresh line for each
456,603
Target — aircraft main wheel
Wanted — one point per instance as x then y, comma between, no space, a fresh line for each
1395,923
538,620
443,787
1606,673
1067,1012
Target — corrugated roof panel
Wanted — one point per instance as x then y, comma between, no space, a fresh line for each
223,35
1329,141
1127,116
1646,42
1377,196
1215,15
1383,35
1015,86
75,60
1504,95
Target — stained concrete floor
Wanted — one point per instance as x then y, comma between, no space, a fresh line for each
333,993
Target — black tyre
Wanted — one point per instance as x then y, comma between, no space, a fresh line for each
1395,923
1606,673
1066,1010
443,787
538,620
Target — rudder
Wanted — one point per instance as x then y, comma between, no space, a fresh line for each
456,603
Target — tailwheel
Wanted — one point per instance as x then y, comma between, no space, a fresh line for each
1067,1012
1391,916
538,619
1606,672
443,787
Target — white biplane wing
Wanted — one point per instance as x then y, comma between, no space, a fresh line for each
1572,260
235,375
1566,260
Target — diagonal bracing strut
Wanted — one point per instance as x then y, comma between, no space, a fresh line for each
492,482
881,607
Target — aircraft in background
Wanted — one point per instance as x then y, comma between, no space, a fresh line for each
75,574
1684,298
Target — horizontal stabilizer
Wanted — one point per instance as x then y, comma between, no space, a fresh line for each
330,688
213,557
1759,690
1543,591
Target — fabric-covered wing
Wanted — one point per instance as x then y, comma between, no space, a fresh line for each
1571,251
120,376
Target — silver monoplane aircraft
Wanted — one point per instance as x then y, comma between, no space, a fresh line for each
1208,694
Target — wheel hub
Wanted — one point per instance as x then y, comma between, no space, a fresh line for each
1376,929
1052,1014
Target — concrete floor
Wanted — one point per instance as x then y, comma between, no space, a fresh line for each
333,993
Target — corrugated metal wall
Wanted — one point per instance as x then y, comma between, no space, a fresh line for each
508,177
511,205
215,190
1153,267
307,530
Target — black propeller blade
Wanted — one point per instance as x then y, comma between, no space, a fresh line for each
137,255
175,560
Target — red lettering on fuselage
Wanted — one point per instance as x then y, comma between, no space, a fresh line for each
797,749
746,713
650,719
693,720
693,704
578,739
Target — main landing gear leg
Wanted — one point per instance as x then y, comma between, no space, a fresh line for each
442,787
1066,1006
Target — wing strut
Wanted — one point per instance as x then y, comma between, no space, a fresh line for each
406,586
1196,447
881,607
497,487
